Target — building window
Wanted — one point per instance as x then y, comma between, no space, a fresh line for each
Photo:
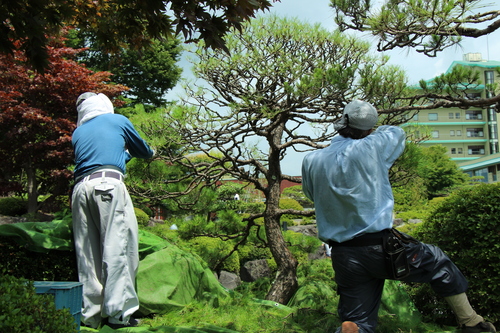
452,133
415,116
450,115
493,132
473,115
435,134
492,170
460,151
492,115
489,76
473,95
457,115
476,150
475,132
482,173
433,116
459,132
453,150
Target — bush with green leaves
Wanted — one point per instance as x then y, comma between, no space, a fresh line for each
466,226
301,245
296,192
255,207
419,214
212,250
22,310
13,206
253,251
142,217
289,203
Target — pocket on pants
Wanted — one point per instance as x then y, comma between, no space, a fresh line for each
415,254
104,191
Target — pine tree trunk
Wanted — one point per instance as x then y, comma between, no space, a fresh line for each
285,285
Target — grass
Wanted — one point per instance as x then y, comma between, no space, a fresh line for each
312,310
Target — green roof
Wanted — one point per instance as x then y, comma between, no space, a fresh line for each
482,64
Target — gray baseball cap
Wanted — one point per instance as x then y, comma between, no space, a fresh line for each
358,114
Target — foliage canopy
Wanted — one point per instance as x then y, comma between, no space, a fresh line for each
118,24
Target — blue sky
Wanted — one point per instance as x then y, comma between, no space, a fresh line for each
417,66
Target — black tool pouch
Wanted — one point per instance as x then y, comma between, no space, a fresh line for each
395,257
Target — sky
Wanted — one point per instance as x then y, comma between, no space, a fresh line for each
417,66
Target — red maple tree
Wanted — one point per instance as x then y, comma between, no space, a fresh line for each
37,118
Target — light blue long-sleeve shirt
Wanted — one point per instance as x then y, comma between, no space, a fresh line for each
349,183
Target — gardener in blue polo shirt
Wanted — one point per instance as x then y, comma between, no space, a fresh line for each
349,184
104,223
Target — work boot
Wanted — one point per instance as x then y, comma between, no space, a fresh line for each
479,328
349,327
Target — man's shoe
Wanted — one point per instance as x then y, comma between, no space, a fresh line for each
349,327
131,323
479,328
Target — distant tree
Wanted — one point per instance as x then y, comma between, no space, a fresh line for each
439,172
427,26
117,24
38,116
149,73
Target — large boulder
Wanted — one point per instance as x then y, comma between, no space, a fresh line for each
253,270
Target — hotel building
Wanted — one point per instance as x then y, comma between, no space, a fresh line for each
470,136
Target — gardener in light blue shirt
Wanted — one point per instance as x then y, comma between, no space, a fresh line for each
349,184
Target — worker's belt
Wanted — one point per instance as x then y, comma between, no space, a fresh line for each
363,240
99,174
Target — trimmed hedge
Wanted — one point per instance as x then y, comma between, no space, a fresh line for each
142,217
466,226
12,206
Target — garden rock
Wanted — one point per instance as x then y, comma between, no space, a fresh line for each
229,280
308,230
253,270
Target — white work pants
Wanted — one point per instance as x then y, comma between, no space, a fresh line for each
106,243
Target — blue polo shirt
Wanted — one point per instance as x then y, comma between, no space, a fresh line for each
108,139
349,183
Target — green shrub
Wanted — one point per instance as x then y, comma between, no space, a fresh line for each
213,250
289,203
53,265
410,228
301,245
253,207
164,231
149,212
412,214
251,251
12,206
142,217
466,226
22,310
